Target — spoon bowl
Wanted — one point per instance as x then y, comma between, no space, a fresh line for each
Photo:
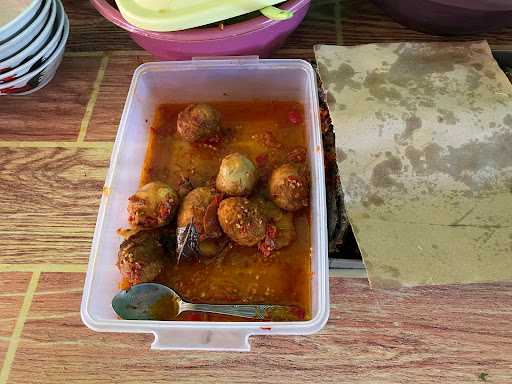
138,302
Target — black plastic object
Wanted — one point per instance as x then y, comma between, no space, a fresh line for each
450,17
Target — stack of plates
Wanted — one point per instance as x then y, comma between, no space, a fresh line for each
33,35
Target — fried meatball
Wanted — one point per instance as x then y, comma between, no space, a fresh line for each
198,122
280,228
141,258
289,187
199,207
152,206
237,175
242,221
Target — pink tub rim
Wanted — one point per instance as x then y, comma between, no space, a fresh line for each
197,34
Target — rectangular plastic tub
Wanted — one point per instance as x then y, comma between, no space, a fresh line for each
201,81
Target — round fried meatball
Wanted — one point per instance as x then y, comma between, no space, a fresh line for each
198,122
280,228
199,207
141,258
242,221
152,206
289,187
237,175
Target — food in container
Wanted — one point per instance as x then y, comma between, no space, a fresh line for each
237,175
194,206
289,187
153,205
141,258
219,236
242,221
198,122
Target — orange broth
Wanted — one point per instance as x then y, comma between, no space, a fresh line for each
261,130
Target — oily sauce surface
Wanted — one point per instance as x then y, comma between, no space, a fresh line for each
268,133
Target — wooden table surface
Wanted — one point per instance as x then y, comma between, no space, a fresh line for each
55,147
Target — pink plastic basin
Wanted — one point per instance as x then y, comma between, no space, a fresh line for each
259,36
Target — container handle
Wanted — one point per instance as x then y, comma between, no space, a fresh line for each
202,339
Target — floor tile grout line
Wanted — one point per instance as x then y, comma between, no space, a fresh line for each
40,293
85,54
76,268
18,328
120,52
131,53
56,144
337,20
92,99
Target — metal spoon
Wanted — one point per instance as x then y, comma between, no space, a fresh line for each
152,301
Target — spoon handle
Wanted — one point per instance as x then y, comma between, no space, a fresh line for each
260,312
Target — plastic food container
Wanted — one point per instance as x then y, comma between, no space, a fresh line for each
193,81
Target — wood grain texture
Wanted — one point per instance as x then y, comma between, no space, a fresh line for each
92,32
318,25
421,335
55,112
112,96
363,23
50,199
12,289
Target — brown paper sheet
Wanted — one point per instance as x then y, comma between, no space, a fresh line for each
424,147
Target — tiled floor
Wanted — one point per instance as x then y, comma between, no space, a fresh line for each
51,201
56,113
12,291
110,101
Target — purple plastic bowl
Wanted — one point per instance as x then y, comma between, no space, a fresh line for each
450,17
259,36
